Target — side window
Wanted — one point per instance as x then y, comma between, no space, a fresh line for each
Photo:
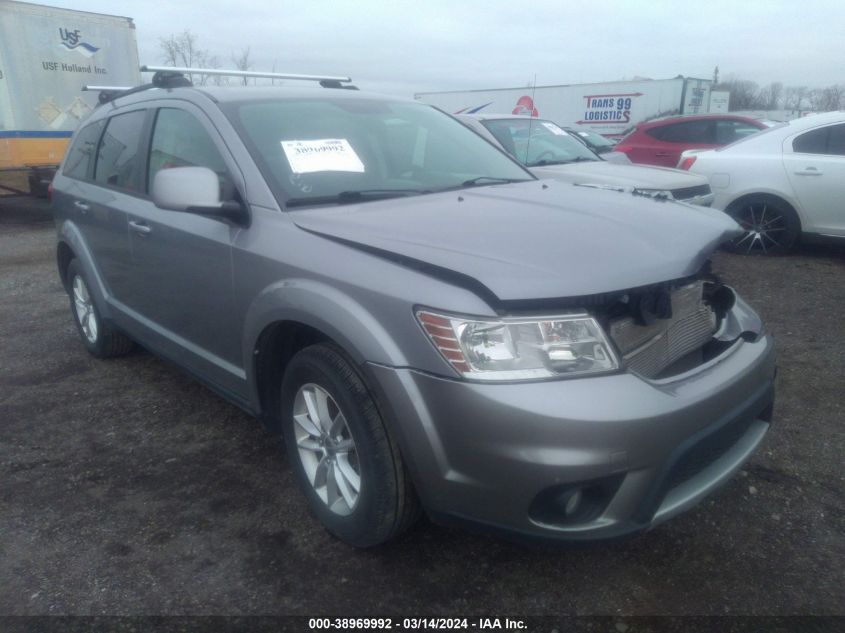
836,140
119,148
80,158
688,132
730,131
179,140
812,142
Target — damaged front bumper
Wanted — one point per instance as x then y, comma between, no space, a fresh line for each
587,458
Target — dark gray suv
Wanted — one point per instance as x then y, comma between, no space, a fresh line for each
427,325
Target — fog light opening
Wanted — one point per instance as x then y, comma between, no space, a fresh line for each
575,503
570,506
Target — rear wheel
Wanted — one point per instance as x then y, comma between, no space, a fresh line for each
771,226
345,460
100,339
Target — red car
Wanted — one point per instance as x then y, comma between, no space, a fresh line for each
660,142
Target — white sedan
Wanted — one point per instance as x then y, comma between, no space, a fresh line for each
781,183
549,151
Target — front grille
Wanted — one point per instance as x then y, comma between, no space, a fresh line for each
685,193
649,349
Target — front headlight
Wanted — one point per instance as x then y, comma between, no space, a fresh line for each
520,348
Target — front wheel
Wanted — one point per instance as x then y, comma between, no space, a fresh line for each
771,227
342,454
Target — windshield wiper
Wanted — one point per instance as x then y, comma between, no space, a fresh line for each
492,180
345,197
579,159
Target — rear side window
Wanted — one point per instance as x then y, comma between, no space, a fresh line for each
836,140
730,131
687,132
827,140
813,142
118,155
180,140
80,158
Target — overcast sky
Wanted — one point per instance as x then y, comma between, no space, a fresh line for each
405,47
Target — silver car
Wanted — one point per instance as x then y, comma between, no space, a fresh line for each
428,326
550,151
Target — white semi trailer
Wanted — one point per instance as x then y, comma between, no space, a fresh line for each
47,55
607,108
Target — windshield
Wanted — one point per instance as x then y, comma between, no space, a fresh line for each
593,138
547,144
322,149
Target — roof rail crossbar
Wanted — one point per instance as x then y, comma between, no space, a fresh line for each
110,93
241,73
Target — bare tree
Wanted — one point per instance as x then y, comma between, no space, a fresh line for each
242,62
770,96
830,98
182,50
794,97
745,94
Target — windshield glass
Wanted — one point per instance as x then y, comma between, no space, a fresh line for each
547,143
323,149
593,138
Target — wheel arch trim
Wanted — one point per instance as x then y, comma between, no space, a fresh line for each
325,309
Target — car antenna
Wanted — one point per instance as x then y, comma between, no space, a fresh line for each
531,117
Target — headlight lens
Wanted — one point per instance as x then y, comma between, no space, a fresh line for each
520,349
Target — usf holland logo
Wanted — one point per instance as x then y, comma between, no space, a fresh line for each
72,41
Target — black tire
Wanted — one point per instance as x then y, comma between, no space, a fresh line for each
107,342
386,503
771,226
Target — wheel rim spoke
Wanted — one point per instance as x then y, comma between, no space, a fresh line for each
303,420
332,492
343,486
348,473
310,444
337,425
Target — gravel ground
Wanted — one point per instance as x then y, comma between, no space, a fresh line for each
127,488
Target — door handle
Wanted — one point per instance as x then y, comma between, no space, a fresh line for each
81,206
808,171
142,228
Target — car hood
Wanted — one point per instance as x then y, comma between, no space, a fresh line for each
607,173
532,240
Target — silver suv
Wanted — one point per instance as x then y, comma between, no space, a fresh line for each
427,325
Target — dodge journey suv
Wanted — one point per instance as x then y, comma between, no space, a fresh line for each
427,325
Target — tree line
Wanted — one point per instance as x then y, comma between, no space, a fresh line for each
748,95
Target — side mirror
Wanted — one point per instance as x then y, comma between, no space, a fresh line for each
195,190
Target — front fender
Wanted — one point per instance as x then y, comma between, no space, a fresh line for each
325,308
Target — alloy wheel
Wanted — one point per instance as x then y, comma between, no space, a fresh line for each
765,228
85,310
326,449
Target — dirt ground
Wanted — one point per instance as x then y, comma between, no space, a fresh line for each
127,488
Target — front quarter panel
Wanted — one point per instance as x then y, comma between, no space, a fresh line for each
361,301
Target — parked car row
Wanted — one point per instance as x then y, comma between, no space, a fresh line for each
549,151
427,324
779,181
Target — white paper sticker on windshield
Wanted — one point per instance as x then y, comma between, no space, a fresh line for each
328,154
551,127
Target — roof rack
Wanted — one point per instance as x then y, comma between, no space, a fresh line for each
242,73
174,77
